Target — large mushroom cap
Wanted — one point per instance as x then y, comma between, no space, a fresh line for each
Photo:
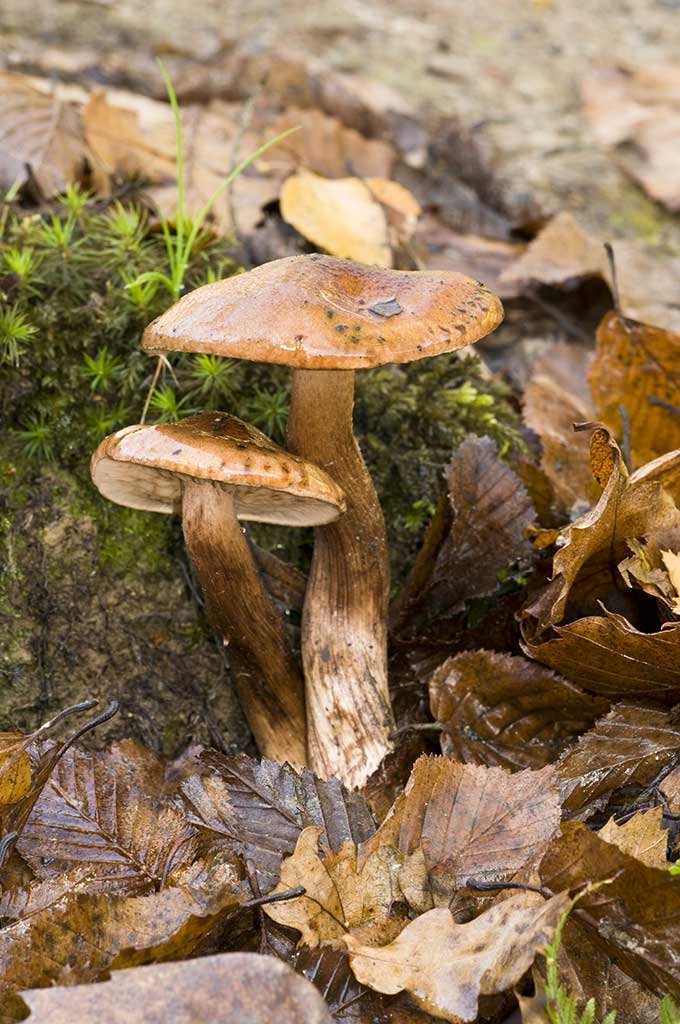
322,313
144,466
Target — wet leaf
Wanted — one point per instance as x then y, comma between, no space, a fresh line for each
342,894
642,836
262,807
632,745
490,513
507,711
607,655
462,823
102,812
260,990
635,919
446,966
338,214
79,937
40,131
637,369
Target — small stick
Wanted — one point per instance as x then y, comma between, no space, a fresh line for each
275,897
480,886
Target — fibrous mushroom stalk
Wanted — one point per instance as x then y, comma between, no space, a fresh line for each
344,632
265,672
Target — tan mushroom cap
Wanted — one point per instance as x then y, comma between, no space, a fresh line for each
144,466
321,313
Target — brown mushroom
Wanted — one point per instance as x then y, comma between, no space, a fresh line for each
214,470
327,317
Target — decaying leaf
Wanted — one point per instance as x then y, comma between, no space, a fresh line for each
41,131
262,807
642,836
634,919
260,989
338,214
446,966
458,824
490,513
585,566
507,711
102,811
325,146
79,937
556,398
341,895
636,374
483,259
633,744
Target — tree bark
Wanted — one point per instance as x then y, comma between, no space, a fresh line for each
265,672
344,621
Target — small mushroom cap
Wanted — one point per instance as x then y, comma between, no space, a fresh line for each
144,467
321,313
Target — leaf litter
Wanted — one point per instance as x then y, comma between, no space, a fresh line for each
537,635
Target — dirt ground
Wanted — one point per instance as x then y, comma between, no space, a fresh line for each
509,70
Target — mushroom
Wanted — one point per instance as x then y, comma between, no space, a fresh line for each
215,469
326,317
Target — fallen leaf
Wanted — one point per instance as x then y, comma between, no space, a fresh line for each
490,511
341,894
642,836
484,259
79,937
325,146
563,254
101,811
402,209
465,823
556,398
338,214
447,966
636,112
507,711
40,131
262,807
261,989
634,919
637,369
585,565
631,745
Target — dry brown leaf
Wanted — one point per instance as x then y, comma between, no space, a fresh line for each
490,511
507,711
260,989
556,398
634,919
447,966
402,209
134,136
39,130
631,745
338,214
341,894
585,566
462,823
79,937
261,807
636,111
637,368
101,812
642,836
16,773
325,146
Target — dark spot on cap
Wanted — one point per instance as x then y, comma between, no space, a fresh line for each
390,307
329,314
325,655
341,328
177,451
299,337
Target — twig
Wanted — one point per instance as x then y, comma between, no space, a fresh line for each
275,897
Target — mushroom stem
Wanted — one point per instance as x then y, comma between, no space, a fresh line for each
344,631
266,675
